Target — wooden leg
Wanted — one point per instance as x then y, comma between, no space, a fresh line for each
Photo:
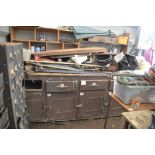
109,101
105,123
126,125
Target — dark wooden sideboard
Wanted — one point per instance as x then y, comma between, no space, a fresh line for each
59,97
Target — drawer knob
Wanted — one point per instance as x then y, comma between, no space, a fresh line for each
94,85
61,86
79,106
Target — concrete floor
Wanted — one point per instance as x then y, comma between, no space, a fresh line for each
112,123
83,124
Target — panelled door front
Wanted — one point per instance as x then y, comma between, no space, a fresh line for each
91,104
34,106
61,106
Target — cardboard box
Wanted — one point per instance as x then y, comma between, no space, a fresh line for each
123,40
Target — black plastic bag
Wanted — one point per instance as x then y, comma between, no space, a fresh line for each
129,62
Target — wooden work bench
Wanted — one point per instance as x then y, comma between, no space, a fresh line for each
124,107
127,107
137,119
65,97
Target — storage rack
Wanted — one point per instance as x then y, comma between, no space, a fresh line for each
4,120
55,38
11,65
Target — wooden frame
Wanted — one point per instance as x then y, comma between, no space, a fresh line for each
30,34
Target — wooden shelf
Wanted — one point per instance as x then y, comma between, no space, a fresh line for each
65,36
50,34
22,33
54,38
51,45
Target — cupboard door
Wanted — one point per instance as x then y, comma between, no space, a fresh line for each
61,106
91,104
34,106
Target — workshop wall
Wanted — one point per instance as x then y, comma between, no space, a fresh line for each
118,30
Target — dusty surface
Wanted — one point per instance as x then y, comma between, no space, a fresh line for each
115,123
84,124
112,123
139,119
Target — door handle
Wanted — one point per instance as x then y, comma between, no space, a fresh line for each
79,105
61,86
94,85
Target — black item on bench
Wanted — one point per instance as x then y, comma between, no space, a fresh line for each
129,62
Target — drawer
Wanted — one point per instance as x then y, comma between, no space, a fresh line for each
61,86
93,85
4,119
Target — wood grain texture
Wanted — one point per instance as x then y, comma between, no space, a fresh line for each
139,119
72,51
143,106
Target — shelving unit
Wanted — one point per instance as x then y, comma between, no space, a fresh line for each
53,38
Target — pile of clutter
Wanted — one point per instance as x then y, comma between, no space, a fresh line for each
80,60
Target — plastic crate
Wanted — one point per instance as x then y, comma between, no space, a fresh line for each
126,92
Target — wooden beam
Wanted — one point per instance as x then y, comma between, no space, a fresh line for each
72,51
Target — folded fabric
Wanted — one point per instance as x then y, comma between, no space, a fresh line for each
148,55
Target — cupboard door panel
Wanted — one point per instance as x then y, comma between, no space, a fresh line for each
61,106
34,106
91,104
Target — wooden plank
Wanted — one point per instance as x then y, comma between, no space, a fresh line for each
103,39
56,67
58,36
63,63
12,34
41,29
139,119
24,27
35,34
32,74
72,51
62,46
9,43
